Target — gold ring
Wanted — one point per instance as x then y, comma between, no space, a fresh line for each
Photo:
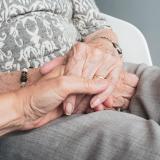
99,77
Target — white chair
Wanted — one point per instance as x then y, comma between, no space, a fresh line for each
132,41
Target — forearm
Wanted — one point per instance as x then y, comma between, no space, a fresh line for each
146,102
11,81
9,117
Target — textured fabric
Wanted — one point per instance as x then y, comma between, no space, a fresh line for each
146,101
106,135
33,32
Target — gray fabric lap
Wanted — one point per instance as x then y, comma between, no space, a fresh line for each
146,102
100,136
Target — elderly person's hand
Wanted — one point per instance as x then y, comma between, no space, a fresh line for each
90,61
123,92
121,96
41,102
93,60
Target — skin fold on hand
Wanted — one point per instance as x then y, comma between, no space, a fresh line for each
75,65
90,62
41,102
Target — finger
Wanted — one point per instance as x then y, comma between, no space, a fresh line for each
79,99
109,102
90,69
76,60
44,120
100,107
92,63
127,92
131,79
55,73
121,102
84,105
69,105
126,103
74,66
113,79
107,66
48,67
67,85
124,90
49,117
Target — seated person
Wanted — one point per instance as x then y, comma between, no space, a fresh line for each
36,32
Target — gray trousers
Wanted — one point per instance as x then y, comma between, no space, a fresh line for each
105,135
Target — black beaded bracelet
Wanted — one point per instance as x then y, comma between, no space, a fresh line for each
24,77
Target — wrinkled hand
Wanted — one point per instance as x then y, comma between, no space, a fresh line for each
120,98
41,102
88,61
123,92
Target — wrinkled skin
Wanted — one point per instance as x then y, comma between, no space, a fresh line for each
41,102
123,91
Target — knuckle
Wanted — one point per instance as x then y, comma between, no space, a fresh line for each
62,84
97,52
136,78
89,85
70,99
102,97
79,51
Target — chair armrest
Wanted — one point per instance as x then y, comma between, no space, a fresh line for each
132,41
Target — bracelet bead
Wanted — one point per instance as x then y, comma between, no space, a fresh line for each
24,77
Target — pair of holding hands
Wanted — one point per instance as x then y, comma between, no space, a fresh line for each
73,85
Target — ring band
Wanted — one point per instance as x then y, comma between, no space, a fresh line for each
100,77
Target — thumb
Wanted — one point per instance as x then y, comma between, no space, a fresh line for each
48,67
77,85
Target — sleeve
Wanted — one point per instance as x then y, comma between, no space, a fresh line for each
87,18
146,102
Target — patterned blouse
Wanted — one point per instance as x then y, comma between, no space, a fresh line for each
33,32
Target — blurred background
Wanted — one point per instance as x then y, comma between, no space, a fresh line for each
144,14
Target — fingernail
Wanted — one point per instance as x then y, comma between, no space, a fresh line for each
69,109
99,109
95,103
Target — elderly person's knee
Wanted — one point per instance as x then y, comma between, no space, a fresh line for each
80,132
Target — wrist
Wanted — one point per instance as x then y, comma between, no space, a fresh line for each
11,118
107,46
25,110
108,33
115,45
102,44
11,81
105,40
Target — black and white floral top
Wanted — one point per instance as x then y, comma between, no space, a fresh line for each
33,32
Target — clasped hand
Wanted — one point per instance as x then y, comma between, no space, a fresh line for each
74,82
92,61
